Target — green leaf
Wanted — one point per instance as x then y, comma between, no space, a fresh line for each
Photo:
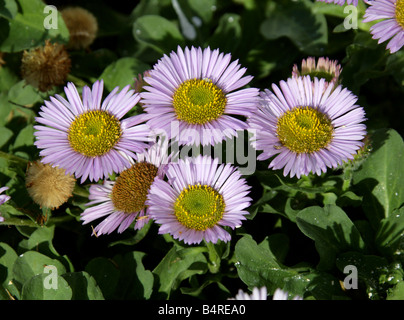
380,179
31,263
24,94
227,35
23,145
5,135
7,259
332,231
397,293
8,9
83,286
203,8
122,72
257,266
26,28
41,241
36,288
106,274
158,32
5,110
297,21
135,281
7,78
178,265
390,235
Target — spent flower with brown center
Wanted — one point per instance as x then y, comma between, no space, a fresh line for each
48,186
46,66
82,25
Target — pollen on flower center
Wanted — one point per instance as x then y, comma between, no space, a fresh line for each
400,12
199,207
198,101
304,130
130,190
94,133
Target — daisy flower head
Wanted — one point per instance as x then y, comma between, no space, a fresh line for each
325,68
392,26
307,126
123,200
280,294
257,294
199,199
89,138
341,2
199,90
3,198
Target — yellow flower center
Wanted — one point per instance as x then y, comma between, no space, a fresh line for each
94,133
400,12
199,101
130,190
304,130
199,207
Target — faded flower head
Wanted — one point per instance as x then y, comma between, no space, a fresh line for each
45,67
48,186
82,25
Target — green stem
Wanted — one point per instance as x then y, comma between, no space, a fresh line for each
30,223
14,158
214,259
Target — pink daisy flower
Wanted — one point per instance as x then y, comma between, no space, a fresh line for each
199,199
200,90
392,27
89,138
307,126
123,200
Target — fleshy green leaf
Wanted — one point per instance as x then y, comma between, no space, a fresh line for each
177,266
31,263
380,179
27,30
83,286
122,72
37,288
257,266
332,231
106,274
158,32
390,235
7,259
297,21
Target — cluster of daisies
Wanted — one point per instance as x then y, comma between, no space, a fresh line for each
305,125
389,15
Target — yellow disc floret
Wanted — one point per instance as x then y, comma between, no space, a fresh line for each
304,130
130,190
400,12
199,207
94,133
199,101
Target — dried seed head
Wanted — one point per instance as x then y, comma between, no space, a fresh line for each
45,67
48,186
82,27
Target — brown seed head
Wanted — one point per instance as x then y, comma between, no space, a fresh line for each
48,186
45,67
82,27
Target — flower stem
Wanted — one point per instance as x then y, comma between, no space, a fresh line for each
214,259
